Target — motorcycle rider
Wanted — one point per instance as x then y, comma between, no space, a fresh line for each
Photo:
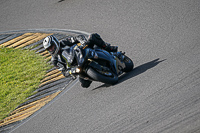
55,48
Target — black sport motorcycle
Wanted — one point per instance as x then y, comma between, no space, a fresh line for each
97,64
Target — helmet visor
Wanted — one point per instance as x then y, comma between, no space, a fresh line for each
52,48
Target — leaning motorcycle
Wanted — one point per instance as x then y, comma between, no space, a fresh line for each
97,64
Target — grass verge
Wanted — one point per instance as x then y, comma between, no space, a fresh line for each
20,74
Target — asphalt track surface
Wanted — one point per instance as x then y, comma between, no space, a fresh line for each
162,93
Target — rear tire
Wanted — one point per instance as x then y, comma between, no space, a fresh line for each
128,63
102,78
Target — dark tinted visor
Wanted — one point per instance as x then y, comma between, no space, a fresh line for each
52,48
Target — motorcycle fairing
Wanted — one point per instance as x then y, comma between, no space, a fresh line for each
104,55
116,65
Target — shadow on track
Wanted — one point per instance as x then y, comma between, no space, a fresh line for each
139,70
135,72
60,1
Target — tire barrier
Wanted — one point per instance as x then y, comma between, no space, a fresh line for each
53,83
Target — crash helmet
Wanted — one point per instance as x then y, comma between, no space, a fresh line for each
51,44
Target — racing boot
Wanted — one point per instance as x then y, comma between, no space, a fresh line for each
110,48
98,41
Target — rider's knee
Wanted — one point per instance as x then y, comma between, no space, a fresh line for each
85,83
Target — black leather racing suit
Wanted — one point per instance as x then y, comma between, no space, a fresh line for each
94,40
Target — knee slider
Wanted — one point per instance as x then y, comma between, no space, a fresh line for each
54,61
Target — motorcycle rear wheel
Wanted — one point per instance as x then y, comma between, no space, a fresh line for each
129,64
94,74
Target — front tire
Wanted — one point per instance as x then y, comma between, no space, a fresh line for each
102,78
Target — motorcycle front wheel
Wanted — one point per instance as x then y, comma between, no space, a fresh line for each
105,77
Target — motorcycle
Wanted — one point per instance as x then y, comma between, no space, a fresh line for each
97,64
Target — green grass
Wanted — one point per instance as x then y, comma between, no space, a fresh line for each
20,74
